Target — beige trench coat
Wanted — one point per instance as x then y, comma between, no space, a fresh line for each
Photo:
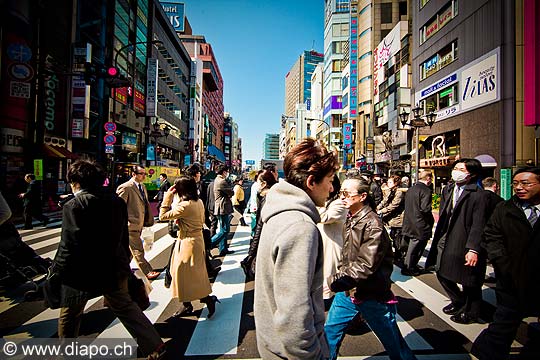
188,270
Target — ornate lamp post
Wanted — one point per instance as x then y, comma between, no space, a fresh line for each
157,132
417,122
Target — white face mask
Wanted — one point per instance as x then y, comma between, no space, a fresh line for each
459,176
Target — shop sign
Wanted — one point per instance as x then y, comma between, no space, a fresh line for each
431,29
506,183
437,162
11,140
449,80
151,87
445,17
138,102
38,169
479,83
19,89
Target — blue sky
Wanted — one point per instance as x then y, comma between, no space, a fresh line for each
256,43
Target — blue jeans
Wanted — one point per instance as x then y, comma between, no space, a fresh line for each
221,236
380,317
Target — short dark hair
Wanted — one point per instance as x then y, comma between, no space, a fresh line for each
531,169
136,168
270,167
30,176
164,175
186,187
268,177
473,166
193,170
221,168
88,174
307,158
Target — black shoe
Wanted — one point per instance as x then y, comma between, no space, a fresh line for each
451,309
410,271
184,310
46,222
463,318
212,273
226,252
210,302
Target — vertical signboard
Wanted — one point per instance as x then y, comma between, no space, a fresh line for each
151,87
347,135
38,169
506,183
353,91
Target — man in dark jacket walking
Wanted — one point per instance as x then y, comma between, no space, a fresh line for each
512,241
362,283
75,260
417,222
164,185
32,202
222,209
456,242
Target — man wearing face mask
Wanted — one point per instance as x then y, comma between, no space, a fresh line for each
456,243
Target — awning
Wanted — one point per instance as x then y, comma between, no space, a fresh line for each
214,151
58,152
487,160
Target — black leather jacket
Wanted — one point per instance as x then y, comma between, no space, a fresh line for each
367,258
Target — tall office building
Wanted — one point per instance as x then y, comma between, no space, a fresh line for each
298,81
468,79
271,147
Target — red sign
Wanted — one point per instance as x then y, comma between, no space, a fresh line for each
138,102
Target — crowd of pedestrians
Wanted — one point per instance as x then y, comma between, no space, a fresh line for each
318,245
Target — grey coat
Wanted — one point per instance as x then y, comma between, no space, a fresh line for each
289,307
223,192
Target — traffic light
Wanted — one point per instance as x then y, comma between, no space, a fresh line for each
90,72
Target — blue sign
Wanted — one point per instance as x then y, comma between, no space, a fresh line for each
187,160
441,84
150,152
250,162
347,135
176,12
19,52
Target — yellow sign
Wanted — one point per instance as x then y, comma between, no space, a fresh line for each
437,162
38,169
152,176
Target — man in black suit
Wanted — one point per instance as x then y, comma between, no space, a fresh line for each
32,202
82,241
417,222
512,241
164,185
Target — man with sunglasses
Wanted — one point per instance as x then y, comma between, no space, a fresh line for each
139,215
362,283
512,241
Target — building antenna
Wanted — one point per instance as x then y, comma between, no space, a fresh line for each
313,45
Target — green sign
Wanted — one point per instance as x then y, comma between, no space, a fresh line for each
506,183
38,169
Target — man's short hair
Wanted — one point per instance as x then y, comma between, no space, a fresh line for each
221,168
531,169
270,167
489,182
424,174
473,166
30,176
136,168
307,158
193,170
88,174
164,175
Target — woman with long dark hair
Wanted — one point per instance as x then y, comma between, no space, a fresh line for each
189,277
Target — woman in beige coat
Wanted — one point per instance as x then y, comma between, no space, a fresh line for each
188,270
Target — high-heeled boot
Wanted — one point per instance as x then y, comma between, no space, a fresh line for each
210,302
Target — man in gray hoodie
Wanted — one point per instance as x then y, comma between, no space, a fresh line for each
289,307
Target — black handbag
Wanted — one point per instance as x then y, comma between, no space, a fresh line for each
52,289
172,227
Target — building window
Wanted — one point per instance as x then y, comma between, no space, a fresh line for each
364,56
441,100
365,32
366,8
337,47
385,32
437,22
341,29
403,9
423,3
386,13
443,57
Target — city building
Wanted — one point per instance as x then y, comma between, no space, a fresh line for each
271,147
468,79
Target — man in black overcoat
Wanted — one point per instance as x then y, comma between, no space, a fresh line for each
456,242
32,202
512,241
417,221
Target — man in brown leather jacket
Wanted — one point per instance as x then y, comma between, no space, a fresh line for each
362,283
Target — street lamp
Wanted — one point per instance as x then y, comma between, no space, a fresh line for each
155,133
417,122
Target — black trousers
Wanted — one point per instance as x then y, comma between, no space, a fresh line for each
33,211
470,299
414,252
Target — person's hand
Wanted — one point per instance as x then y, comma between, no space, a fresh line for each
172,190
471,258
21,195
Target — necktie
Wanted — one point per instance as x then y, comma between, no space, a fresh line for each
533,216
142,192
457,193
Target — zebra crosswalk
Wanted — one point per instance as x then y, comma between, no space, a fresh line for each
230,333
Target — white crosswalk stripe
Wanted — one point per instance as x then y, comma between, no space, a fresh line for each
209,337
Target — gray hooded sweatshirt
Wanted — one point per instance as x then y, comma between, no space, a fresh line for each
289,307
